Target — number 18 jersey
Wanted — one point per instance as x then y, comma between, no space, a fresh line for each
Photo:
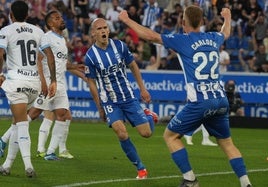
198,54
21,41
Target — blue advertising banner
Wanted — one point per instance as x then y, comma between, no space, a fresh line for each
167,92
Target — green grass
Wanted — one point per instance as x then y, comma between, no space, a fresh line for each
100,160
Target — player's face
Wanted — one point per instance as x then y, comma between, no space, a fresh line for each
100,31
57,21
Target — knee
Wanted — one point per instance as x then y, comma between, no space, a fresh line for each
146,134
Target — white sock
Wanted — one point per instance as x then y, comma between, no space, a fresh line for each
56,136
244,181
13,147
43,134
62,144
29,118
189,175
205,134
24,141
7,134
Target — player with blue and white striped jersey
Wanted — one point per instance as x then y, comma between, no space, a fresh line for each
21,41
106,63
198,53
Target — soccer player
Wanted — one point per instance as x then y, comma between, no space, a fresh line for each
21,41
106,63
198,53
59,104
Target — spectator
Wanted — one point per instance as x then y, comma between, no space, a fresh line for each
112,16
234,99
79,50
224,59
151,12
260,28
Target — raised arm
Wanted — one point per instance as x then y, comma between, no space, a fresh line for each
143,32
226,27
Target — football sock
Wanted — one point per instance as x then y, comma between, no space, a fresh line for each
244,181
131,153
56,136
62,144
180,158
43,134
29,118
238,166
13,147
24,141
205,134
7,134
151,122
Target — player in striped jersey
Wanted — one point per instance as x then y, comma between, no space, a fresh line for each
21,41
198,53
106,63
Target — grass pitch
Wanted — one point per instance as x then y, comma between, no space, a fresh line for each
100,162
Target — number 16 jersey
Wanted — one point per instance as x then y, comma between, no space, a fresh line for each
21,41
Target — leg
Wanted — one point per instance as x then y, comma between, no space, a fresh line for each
206,140
179,154
44,132
129,148
236,160
63,151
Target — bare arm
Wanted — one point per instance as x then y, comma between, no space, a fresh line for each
226,27
41,75
137,75
143,32
94,92
52,70
2,78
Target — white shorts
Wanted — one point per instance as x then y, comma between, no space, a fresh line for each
60,100
21,91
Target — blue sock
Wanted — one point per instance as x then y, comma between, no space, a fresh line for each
151,122
238,166
131,153
180,158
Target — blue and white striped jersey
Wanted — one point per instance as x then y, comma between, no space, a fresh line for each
108,67
198,54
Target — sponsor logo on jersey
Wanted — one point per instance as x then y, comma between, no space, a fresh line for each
62,56
29,90
27,72
2,36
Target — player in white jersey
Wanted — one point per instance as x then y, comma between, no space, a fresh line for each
21,41
59,104
207,104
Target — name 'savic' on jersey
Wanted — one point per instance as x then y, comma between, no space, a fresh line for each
60,51
21,42
108,67
198,54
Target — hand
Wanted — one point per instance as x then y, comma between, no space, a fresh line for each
52,89
80,67
102,114
2,79
226,13
146,97
44,88
123,16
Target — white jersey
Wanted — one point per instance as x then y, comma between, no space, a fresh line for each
60,51
21,41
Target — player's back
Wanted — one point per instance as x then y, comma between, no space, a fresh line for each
21,41
199,57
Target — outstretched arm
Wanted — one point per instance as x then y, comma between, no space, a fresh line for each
226,27
143,32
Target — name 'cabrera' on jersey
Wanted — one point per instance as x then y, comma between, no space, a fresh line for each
21,42
198,54
108,67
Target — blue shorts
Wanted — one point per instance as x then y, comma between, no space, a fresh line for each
212,113
131,111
